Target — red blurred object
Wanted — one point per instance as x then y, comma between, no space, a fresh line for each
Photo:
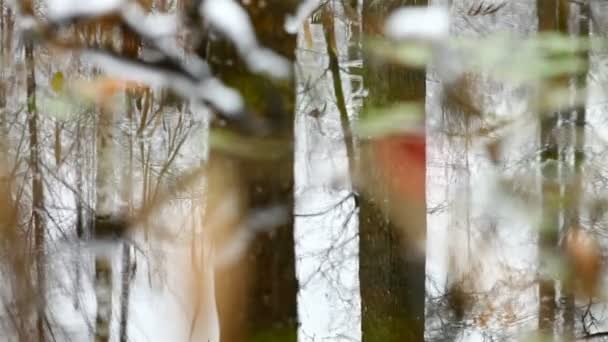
585,257
401,160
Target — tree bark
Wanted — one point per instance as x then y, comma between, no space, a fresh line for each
552,16
334,67
259,291
391,270
103,212
581,18
37,190
126,275
80,215
130,48
127,196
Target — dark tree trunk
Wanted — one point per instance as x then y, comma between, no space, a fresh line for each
58,150
262,286
552,16
573,222
126,275
37,189
80,215
329,29
391,270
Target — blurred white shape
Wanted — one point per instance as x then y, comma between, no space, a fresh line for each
423,23
222,97
150,24
126,69
230,19
61,9
267,62
263,60
209,89
305,9
153,25
26,23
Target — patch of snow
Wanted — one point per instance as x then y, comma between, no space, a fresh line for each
264,60
153,25
224,98
127,69
230,19
62,9
424,23
209,89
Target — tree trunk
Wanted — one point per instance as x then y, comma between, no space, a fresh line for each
58,152
125,292
127,195
103,211
22,306
552,16
391,270
130,48
37,189
80,215
105,207
258,299
334,67
576,191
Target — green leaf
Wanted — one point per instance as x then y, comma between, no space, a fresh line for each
57,82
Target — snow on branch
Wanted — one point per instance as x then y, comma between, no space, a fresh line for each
231,20
161,63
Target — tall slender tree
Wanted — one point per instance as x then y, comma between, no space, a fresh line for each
24,309
329,29
552,16
103,212
574,191
37,188
391,269
130,48
104,207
